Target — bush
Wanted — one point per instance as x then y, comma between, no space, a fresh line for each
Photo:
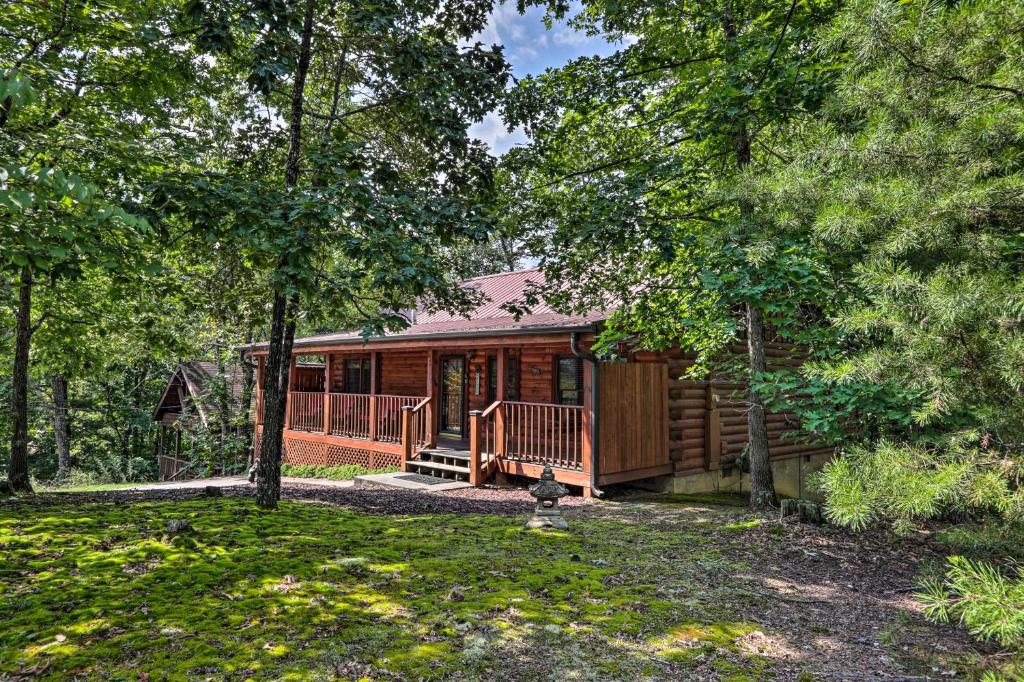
989,603
902,485
341,473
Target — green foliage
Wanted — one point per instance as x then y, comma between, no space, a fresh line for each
636,186
982,598
337,473
831,411
902,484
914,176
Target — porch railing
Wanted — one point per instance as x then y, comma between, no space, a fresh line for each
350,415
306,411
353,415
416,433
533,433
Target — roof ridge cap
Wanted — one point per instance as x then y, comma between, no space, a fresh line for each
499,274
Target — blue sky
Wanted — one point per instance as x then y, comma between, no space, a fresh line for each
530,48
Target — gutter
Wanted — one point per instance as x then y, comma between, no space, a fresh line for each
574,344
478,334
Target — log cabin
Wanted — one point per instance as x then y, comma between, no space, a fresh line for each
494,396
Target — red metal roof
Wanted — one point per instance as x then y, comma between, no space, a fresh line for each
489,318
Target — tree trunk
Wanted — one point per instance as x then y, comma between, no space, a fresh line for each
762,487
17,473
282,324
61,426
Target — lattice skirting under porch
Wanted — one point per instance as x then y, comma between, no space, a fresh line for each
299,451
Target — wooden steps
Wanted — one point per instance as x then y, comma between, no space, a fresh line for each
446,463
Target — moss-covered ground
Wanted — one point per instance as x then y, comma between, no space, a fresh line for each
312,591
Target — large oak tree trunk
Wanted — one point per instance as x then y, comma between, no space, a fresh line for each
282,324
17,472
61,426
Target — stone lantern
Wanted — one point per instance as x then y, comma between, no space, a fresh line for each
547,491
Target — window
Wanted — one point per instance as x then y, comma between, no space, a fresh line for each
511,379
492,380
569,381
357,376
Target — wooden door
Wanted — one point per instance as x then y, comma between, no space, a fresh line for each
632,420
453,395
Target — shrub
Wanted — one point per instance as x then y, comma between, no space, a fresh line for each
339,473
988,602
903,484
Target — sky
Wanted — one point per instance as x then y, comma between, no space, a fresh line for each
529,48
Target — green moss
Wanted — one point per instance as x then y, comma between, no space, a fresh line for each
741,526
315,591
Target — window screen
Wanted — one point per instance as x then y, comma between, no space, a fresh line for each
357,376
569,381
511,379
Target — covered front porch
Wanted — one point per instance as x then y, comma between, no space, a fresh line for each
468,409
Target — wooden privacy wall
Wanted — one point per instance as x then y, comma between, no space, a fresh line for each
632,417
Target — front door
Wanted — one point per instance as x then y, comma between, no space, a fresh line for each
453,391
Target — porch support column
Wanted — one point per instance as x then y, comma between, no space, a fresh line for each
499,394
587,427
475,435
328,373
288,402
261,369
431,419
406,437
374,364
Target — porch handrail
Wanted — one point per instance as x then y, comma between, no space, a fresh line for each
542,433
416,432
361,416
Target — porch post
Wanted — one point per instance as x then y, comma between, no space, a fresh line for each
587,426
499,394
431,421
406,437
475,433
328,373
261,364
373,395
288,401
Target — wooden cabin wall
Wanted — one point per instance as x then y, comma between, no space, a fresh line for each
692,422
476,365
403,373
537,374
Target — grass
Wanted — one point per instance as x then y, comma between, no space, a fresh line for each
339,473
316,592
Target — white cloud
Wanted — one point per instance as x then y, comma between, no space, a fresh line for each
492,132
570,38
